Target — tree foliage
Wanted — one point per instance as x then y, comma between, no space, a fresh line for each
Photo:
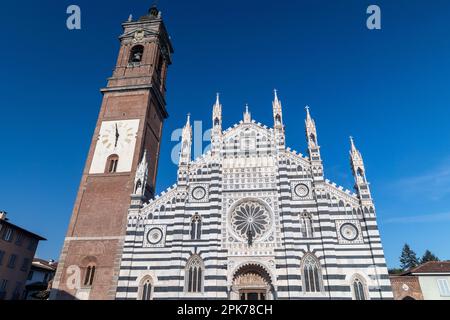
428,256
408,259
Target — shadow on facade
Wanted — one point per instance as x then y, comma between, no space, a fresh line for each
57,294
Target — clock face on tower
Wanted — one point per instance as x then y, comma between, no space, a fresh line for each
117,135
115,138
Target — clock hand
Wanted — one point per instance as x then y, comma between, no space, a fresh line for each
117,135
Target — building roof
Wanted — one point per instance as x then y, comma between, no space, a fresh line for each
34,235
44,264
430,267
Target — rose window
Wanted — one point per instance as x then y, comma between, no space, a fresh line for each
250,216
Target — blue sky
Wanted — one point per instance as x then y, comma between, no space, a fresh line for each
387,88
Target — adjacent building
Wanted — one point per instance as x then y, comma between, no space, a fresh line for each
429,281
39,279
17,249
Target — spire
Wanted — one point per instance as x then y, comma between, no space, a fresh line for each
278,122
186,142
217,99
313,147
217,113
216,133
308,115
352,144
247,115
355,155
277,110
187,126
144,157
311,132
359,173
140,180
275,91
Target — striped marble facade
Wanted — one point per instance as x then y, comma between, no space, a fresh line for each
311,239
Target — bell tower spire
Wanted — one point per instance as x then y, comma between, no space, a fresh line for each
123,158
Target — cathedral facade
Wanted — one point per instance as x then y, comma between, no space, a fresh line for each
250,219
253,220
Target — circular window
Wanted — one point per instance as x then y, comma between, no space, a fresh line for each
154,236
198,193
349,231
250,216
301,190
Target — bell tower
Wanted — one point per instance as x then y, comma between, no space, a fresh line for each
128,133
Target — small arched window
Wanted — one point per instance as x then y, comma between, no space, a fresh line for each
312,137
359,289
89,275
341,206
306,226
136,54
348,209
138,186
216,121
146,289
278,119
112,163
194,275
360,172
196,227
311,274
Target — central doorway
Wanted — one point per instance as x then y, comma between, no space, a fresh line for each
252,294
252,282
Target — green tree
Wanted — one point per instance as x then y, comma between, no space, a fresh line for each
408,259
395,271
428,256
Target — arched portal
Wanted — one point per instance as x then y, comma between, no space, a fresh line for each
251,282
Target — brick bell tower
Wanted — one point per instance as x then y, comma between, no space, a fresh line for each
129,125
